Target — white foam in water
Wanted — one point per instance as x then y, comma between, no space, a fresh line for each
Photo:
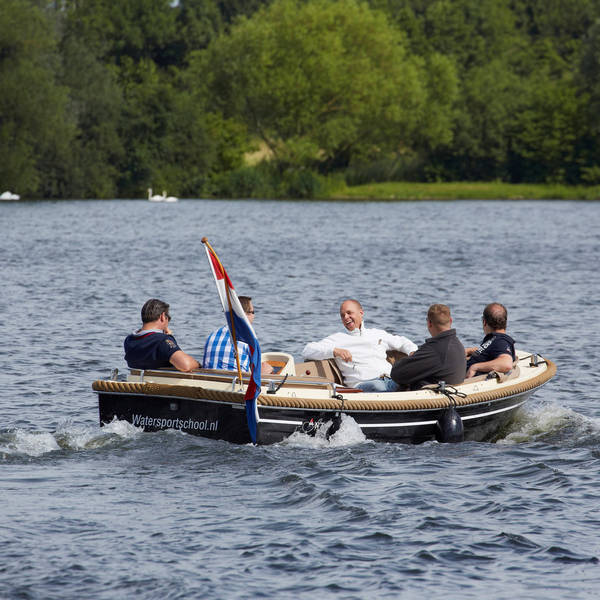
82,438
67,436
123,429
29,444
542,420
349,434
97,438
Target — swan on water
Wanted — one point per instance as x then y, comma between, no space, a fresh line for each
169,198
155,198
9,196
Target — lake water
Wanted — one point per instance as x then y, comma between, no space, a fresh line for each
90,512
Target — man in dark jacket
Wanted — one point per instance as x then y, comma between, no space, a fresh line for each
153,346
440,358
497,350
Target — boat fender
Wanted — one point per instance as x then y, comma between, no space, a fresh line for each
449,428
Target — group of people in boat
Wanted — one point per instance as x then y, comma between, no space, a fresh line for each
359,352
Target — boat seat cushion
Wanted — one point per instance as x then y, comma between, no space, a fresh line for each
321,368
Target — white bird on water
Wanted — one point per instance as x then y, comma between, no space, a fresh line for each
9,196
169,198
155,198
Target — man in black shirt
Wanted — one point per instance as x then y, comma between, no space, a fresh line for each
440,358
497,350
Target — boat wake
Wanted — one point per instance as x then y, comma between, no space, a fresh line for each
349,434
547,423
20,442
554,424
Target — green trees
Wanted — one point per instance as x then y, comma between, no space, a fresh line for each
323,82
34,127
138,124
518,113
552,132
480,37
589,81
95,101
104,99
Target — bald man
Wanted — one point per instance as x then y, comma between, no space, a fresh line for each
360,353
497,350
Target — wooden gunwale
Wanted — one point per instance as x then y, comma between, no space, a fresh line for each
437,400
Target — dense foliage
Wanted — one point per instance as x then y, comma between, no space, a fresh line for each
267,98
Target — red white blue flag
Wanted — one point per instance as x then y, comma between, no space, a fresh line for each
240,329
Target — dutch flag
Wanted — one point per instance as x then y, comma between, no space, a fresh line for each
240,330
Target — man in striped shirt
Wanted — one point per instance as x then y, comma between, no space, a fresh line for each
219,352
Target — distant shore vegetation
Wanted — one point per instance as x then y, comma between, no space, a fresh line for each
465,191
349,99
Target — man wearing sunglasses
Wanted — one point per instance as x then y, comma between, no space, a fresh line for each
153,346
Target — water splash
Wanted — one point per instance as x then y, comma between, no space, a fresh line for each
20,442
552,423
349,434
27,443
73,437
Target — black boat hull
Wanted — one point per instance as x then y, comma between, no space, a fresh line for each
206,418
227,421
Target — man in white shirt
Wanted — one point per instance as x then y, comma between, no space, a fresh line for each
360,353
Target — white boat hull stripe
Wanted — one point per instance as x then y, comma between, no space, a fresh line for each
411,424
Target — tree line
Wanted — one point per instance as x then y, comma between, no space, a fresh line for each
103,99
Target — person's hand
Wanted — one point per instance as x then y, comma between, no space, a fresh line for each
342,353
168,331
471,372
469,351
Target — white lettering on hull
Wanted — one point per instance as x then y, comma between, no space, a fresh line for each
164,423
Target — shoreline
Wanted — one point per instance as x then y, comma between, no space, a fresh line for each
404,191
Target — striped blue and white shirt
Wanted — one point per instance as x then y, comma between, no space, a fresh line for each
219,354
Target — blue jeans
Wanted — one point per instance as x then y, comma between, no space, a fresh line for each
379,384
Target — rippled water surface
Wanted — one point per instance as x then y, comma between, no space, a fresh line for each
90,512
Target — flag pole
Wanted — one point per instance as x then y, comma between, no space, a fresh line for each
235,347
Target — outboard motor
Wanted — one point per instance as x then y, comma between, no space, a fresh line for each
310,427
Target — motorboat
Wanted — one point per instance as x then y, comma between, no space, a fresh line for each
310,397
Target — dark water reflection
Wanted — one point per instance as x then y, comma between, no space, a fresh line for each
105,513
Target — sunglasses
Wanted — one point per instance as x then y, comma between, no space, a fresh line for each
249,312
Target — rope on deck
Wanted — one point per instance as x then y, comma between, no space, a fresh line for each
440,401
